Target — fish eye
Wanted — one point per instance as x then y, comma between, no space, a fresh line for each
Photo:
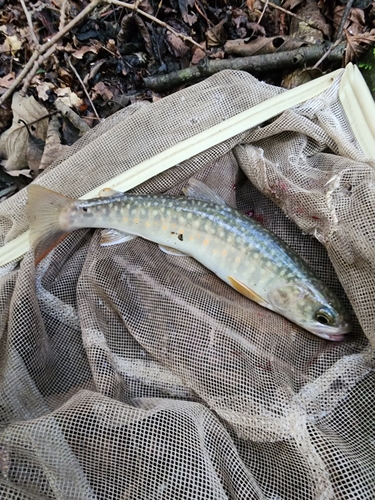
324,317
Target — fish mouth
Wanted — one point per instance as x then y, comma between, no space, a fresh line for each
336,334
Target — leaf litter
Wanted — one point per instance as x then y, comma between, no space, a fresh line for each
113,49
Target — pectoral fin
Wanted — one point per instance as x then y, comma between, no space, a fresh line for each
247,292
113,237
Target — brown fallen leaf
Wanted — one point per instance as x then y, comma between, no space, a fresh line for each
358,45
261,45
187,14
11,44
7,80
311,12
78,54
355,22
74,119
34,149
291,4
217,35
53,148
101,90
198,54
176,45
42,87
14,141
68,97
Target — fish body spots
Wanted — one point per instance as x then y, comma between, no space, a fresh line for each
180,237
206,241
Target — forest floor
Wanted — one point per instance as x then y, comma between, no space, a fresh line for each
68,64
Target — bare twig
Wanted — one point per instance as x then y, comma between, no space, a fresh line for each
156,20
35,68
44,48
324,56
344,17
62,15
263,11
30,23
291,14
82,85
260,17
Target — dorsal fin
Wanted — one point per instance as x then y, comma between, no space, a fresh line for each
200,191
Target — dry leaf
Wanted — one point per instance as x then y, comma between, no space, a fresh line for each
78,54
291,4
198,54
355,22
250,4
74,119
358,45
17,173
103,91
53,148
217,35
11,44
176,45
7,80
14,141
261,45
186,7
42,88
68,97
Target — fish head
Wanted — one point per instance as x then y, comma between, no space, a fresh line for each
318,311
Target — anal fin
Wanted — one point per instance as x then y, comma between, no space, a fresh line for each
247,292
114,237
172,251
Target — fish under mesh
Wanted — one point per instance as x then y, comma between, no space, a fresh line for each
128,373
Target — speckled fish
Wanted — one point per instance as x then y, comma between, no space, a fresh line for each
236,248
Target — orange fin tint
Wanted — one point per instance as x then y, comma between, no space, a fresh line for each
246,291
44,209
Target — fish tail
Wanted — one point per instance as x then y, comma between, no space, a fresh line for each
44,212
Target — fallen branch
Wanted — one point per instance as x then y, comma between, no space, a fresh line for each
253,64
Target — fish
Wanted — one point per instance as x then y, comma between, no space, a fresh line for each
244,254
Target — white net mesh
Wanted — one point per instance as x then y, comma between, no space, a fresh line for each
127,373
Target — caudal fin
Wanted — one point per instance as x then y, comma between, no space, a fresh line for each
44,209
